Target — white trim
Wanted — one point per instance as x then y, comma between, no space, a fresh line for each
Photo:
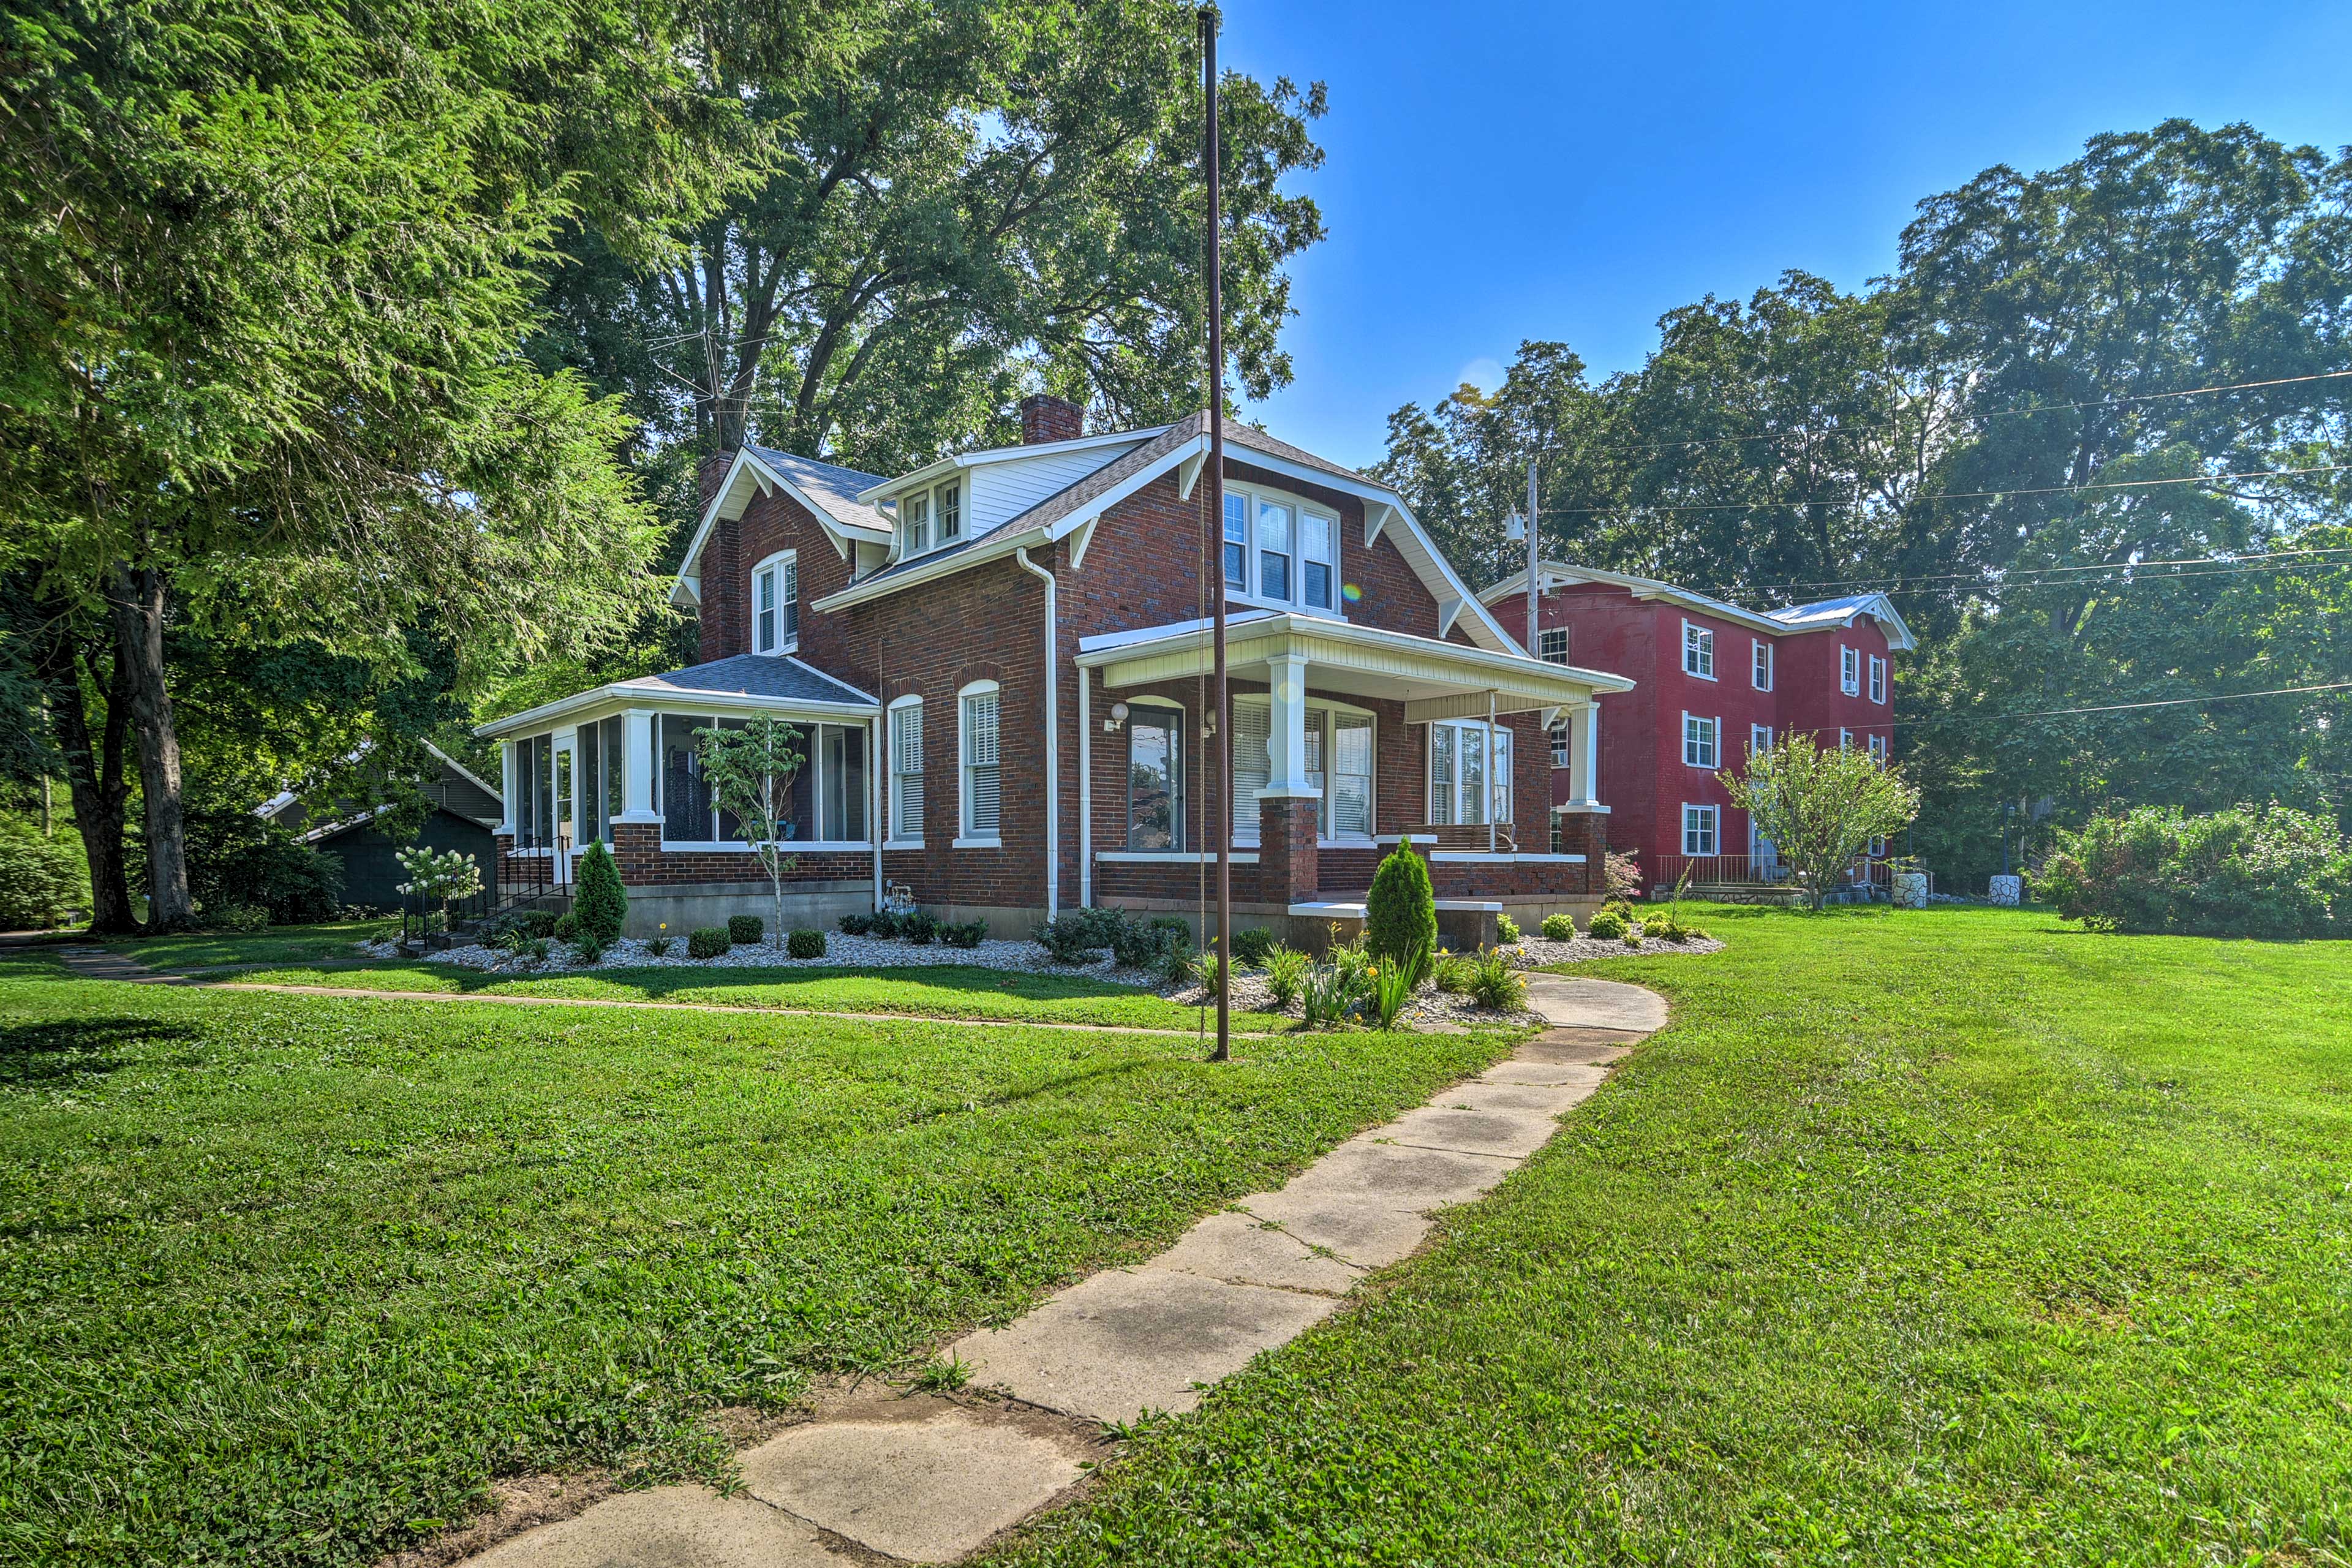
624,694
1879,682
1086,792
1715,740
1053,744
1715,826
902,844
1771,659
1256,497
789,846
965,838
1706,645
784,646
996,843
917,479
1171,856
1505,858
1848,670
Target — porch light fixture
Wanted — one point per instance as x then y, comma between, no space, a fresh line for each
1118,717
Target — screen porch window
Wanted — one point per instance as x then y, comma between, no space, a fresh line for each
1155,778
690,814
1699,825
907,772
1760,670
1464,789
1698,651
1700,747
602,769
982,795
1551,645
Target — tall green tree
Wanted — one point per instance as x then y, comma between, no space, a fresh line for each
264,274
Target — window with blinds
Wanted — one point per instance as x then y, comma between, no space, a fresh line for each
907,772
1253,723
982,795
1349,798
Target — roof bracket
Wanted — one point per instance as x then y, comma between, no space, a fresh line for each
1080,540
1376,517
1448,612
1190,473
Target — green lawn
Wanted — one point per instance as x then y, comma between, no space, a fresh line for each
1950,1237
952,991
288,1279
278,945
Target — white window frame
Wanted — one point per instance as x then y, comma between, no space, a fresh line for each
1876,746
1850,670
1712,816
1546,649
1248,590
1759,739
1510,780
1845,740
1699,650
968,836
936,504
1323,713
1559,757
785,565
1714,741
811,766
897,838
1759,665
1877,680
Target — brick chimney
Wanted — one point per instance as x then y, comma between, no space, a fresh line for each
708,475
1044,417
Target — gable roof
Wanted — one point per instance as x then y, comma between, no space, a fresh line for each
1819,616
1080,503
828,490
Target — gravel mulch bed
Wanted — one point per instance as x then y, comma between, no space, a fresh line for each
1542,952
841,952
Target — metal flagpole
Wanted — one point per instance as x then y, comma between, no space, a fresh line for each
1216,500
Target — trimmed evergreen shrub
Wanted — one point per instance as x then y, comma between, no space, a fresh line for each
805,944
1401,915
567,927
1141,944
1252,943
745,930
707,942
1068,938
919,927
883,924
1560,928
1609,925
600,904
964,933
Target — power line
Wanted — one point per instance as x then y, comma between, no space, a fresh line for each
1958,495
2030,576
2119,707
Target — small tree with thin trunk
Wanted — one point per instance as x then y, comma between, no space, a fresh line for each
1820,806
750,773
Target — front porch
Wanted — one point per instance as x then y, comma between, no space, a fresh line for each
1348,742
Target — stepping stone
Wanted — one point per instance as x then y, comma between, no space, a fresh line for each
926,1480
1242,1249
1596,1003
1366,1231
1125,1341
668,1527
1396,1176
1511,1134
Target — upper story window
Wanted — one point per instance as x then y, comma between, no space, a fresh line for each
1280,551
1560,744
1877,679
1698,651
1551,645
982,793
1700,745
776,604
1759,669
1850,670
930,519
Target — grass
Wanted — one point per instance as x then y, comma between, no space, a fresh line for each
949,990
290,1279
1925,1238
278,945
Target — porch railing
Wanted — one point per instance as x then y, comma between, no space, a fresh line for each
524,881
1763,871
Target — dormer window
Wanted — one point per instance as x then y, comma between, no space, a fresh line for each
930,519
776,605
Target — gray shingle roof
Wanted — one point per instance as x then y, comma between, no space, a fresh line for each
830,486
748,675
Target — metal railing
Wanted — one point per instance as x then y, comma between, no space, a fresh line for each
1875,873
521,881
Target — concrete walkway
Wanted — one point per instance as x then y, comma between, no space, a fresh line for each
929,1479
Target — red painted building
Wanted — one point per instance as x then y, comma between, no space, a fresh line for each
1713,681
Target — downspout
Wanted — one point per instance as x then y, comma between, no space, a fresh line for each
1053,746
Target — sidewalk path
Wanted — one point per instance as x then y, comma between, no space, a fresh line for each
932,1479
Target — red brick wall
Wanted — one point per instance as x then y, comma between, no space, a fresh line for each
772,522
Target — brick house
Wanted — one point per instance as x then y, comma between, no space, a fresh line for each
1001,662
1712,683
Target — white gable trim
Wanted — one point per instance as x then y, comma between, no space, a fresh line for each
844,536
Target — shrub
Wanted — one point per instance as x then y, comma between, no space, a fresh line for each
41,877
588,950
659,946
1287,970
1393,984
918,927
237,917
599,902
535,949
804,944
1401,914
1633,937
1506,930
1609,925
1099,926
236,858
883,924
1183,964
566,927
964,933
2266,871
707,942
856,925
1141,944
745,930
537,922
1252,945
1667,927
1622,873
1069,937
1493,982
1452,974
1560,928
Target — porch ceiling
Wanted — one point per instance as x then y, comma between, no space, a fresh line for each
1434,679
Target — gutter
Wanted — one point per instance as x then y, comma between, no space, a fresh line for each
1053,747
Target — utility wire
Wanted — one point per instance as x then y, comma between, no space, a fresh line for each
2118,707
1956,495
1895,580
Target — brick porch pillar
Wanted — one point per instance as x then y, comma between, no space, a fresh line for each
1586,833
636,851
1288,868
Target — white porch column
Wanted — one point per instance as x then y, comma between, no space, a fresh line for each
637,767
510,781
1087,794
1584,753
1286,741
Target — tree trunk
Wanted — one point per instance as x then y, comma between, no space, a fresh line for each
136,600
94,780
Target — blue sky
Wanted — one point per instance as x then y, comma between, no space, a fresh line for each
1500,172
